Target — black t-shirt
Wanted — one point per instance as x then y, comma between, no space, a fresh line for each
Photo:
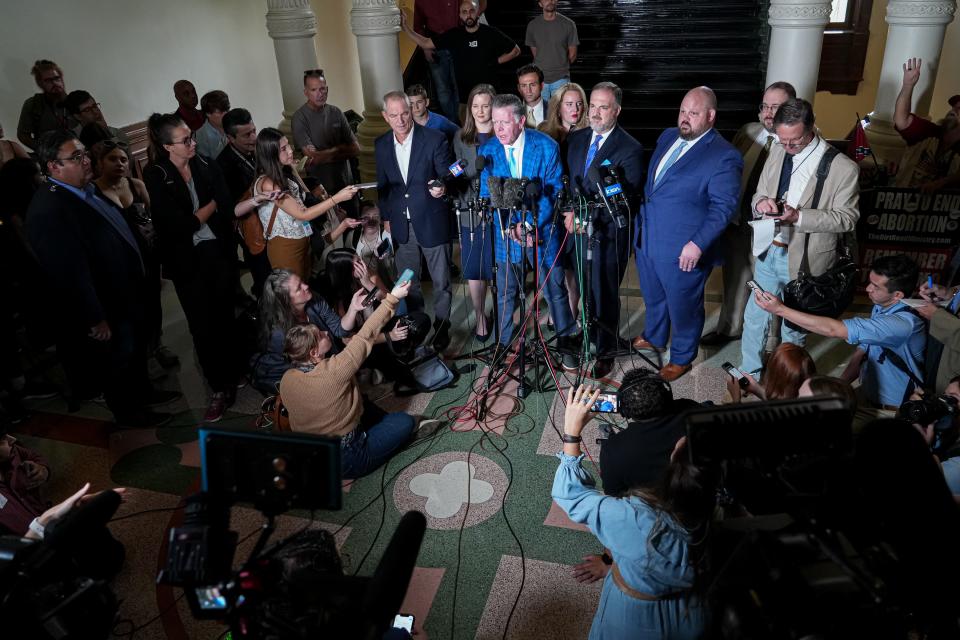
637,456
474,55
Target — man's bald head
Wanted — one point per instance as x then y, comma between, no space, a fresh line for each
698,112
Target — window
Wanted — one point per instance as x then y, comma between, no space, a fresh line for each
845,46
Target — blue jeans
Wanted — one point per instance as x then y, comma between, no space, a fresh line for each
549,88
508,279
772,273
445,84
378,436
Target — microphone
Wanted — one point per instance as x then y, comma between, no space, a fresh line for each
458,167
513,190
388,585
594,177
495,187
480,164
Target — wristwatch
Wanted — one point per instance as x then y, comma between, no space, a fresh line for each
571,439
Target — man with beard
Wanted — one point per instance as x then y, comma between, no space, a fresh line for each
44,111
753,141
85,108
931,161
476,48
552,38
691,197
590,154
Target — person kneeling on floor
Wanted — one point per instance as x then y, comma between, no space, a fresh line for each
322,395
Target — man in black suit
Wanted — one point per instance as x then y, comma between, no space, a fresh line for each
411,162
605,153
91,254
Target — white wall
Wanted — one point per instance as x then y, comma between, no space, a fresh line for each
129,53
337,53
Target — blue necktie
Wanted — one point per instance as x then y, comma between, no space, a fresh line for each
591,152
670,161
513,163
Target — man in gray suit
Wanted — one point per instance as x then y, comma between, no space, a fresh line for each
753,141
784,195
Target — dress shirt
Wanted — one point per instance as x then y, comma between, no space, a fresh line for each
669,152
805,165
402,149
537,112
517,147
899,330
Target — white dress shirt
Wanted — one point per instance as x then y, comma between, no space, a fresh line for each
402,151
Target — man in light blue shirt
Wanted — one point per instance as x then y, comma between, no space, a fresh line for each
893,337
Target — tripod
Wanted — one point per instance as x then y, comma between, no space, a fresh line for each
478,208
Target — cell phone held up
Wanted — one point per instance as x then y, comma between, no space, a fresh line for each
606,403
736,374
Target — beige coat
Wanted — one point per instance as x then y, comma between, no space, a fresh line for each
836,214
945,327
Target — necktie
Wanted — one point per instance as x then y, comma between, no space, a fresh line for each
512,161
670,161
754,179
785,173
531,118
591,152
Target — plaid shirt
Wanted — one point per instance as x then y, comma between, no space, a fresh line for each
541,160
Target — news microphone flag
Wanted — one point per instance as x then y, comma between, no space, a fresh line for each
859,146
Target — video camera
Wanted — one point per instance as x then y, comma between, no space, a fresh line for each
268,595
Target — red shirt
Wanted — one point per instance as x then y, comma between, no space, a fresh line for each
20,505
433,17
193,118
919,130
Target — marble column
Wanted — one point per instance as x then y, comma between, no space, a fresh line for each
916,30
796,38
293,26
375,23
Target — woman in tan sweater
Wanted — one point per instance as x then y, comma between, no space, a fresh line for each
323,397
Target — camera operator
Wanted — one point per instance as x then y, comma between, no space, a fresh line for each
890,342
938,419
945,331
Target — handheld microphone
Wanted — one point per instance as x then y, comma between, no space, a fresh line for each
617,218
480,164
495,187
457,168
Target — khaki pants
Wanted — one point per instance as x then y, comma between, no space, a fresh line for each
290,254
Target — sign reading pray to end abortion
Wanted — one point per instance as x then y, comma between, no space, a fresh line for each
924,226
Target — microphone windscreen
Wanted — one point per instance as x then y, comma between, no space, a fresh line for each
512,193
533,189
388,585
480,163
495,187
593,175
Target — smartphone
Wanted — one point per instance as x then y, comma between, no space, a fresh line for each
756,287
405,277
403,621
434,183
210,598
371,295
606,403
384,248
736,374
366,185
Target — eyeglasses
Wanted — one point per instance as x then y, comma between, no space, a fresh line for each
77,157
191,139
52,79
95,105
772,108
800,142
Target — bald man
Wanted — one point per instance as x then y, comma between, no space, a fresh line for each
692,188
186,95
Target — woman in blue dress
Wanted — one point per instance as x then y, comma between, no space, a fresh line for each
655,538
475,239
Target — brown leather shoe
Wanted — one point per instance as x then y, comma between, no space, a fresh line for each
671,372
602,367
642,343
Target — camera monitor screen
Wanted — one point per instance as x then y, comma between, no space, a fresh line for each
273,471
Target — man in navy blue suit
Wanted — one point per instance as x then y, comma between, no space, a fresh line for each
411,161
605,151
691,196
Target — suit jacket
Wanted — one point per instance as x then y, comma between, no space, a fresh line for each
541,162
620,149
98,274
694,201
429,159
746,143
173,215
836,213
